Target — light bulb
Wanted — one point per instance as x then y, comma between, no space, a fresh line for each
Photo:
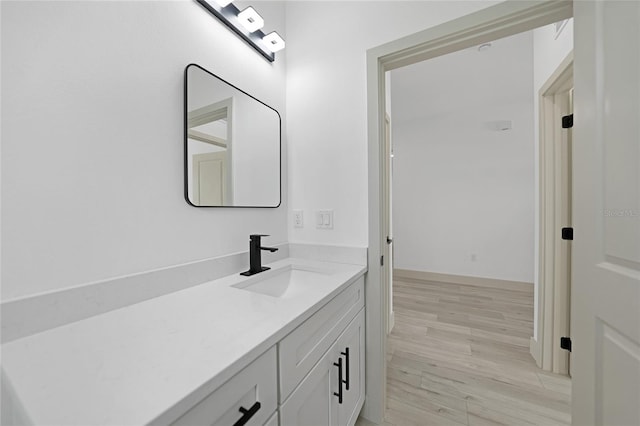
273,41
250,19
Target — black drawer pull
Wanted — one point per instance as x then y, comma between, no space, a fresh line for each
247,414
340,381
346,356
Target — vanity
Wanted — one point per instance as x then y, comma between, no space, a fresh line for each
283,347
313,376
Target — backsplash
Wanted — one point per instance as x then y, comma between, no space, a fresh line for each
29,315
33,314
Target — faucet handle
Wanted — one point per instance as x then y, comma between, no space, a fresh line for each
257,236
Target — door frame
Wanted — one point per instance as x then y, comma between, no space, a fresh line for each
502,20
388,284
553,293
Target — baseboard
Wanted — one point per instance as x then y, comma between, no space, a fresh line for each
463,280
535,348
392,322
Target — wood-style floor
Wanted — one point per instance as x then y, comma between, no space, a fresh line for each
459,355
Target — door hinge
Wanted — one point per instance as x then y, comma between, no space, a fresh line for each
381,260
567,121
567,234
565,343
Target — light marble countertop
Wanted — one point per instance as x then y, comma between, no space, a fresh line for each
150,362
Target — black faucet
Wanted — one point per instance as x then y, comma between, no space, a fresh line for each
255,255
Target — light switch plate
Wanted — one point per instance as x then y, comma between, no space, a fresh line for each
298,219
324,219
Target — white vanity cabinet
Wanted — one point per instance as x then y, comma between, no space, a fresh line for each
322,364
301,349
312,402
321,375
266,350
333,392
350,348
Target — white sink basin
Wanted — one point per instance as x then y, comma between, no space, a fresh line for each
286,282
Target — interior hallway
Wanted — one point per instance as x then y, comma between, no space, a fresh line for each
459,355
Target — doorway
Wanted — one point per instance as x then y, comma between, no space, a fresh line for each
463,203
499,21
605,364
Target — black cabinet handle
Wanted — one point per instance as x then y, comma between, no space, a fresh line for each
247,414
346,356
340,381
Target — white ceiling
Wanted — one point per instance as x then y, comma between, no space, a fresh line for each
465,79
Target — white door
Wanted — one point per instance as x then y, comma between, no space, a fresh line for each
605,321
210,179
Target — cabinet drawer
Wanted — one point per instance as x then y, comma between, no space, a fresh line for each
303,347
255,386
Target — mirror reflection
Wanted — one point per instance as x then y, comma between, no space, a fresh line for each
232,145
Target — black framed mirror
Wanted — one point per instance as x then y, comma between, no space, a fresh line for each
232,145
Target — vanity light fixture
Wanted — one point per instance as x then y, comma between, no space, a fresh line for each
273,41
246,24
223,3
250,19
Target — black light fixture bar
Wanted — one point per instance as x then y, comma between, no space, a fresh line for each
229,16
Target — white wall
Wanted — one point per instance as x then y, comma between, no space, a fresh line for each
326,103
463,192
92,139
461,189
549,51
